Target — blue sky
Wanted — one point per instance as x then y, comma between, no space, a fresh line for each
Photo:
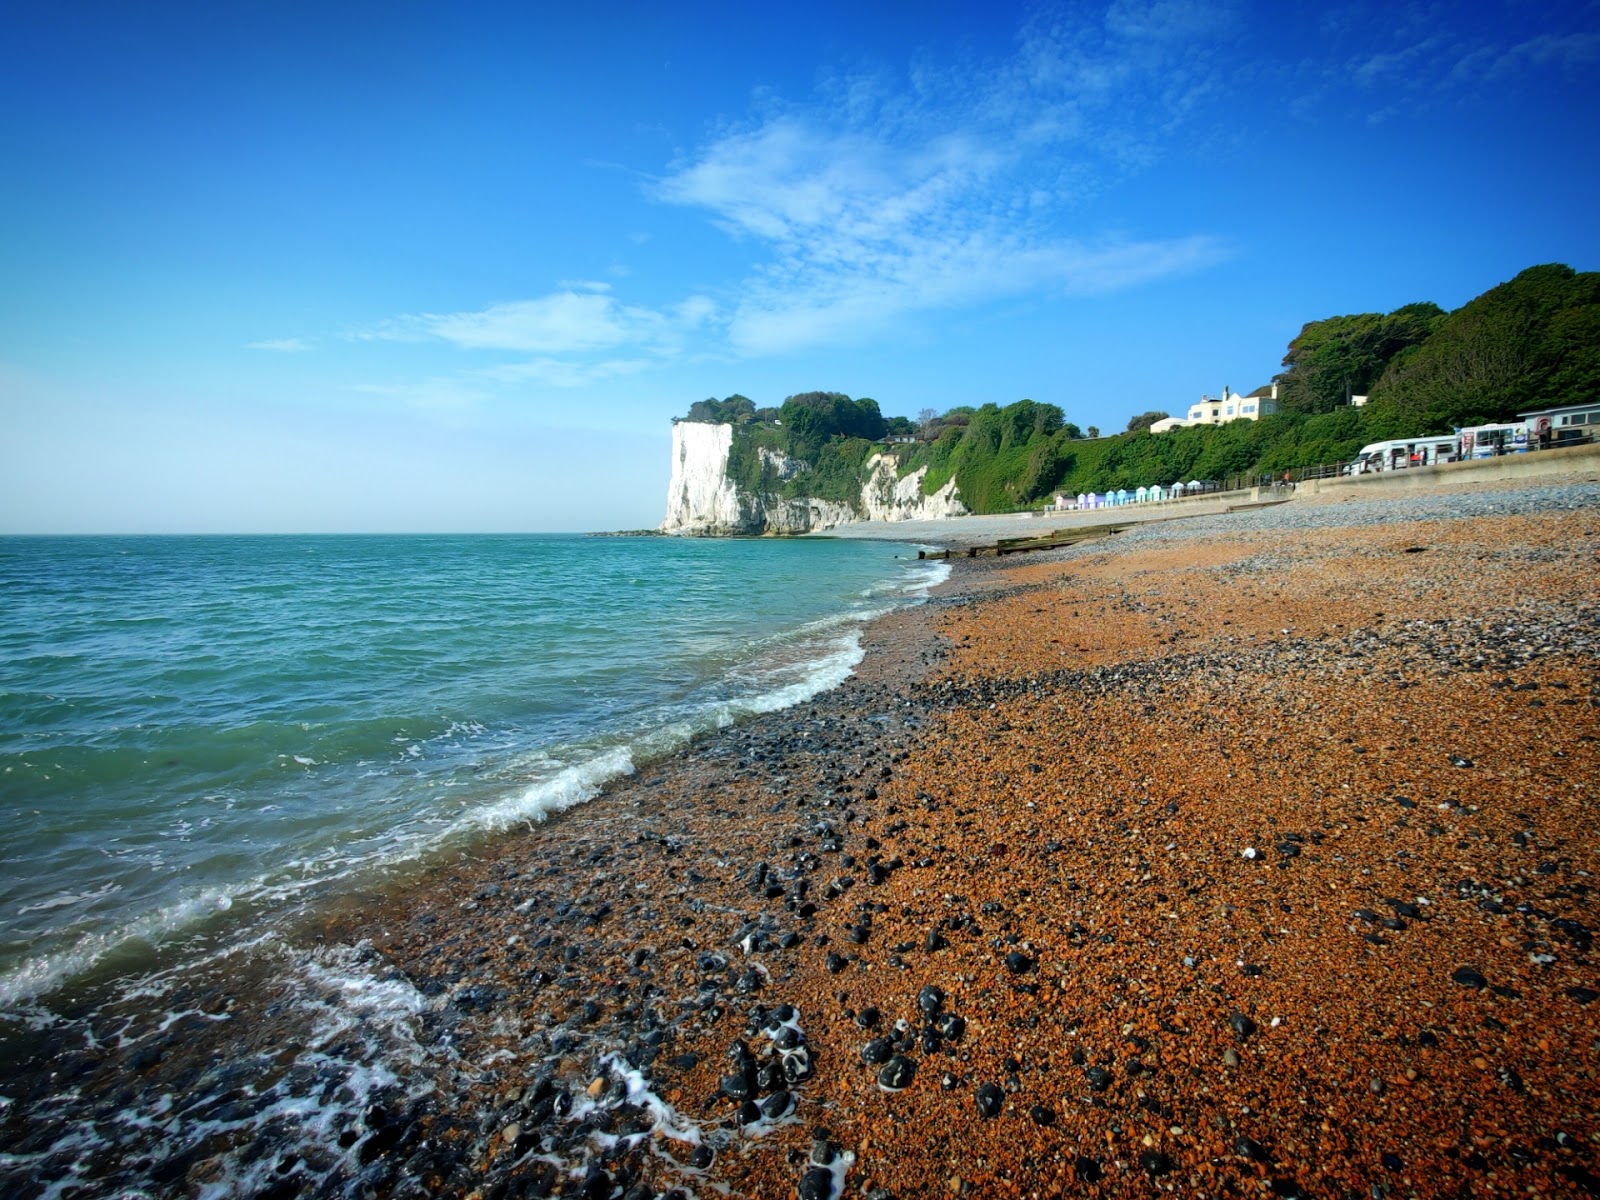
308,267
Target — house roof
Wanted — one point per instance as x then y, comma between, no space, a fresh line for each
1563,408
1264,390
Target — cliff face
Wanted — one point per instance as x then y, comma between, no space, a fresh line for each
885,497
703,502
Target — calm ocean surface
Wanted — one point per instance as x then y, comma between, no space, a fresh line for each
201,735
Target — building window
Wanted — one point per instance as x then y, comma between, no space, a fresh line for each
1248,409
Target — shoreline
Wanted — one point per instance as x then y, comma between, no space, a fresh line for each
1040,785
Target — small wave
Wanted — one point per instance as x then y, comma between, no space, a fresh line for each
38,976
67,898
568,787
828,671
926,578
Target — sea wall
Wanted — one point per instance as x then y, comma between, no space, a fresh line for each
702,501
1538,464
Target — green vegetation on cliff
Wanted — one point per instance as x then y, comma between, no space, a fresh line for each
1529,343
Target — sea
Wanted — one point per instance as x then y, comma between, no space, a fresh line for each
197,733
202,739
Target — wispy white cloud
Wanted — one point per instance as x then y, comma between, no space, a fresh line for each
581,318
1410,58
282,345
873,202
565,373
879,199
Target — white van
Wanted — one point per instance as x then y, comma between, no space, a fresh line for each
1486,441
1401,453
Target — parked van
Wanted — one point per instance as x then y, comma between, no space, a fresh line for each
1401,453
1486,441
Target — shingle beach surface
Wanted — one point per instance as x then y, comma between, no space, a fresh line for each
1252,855
1249,855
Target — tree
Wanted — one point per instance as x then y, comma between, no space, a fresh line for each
926,419
732,411
1338,357
1145,419
899,427
1094,431
1523,344
1071,431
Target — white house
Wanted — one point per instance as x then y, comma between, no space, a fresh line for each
1230,406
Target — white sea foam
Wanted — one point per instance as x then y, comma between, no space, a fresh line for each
568,787
36,976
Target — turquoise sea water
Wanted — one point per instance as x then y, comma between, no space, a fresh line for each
200,735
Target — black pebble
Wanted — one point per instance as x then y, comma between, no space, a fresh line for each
1099,1078
930,1000
1087,1170
876,1052
701,1158
897,1072
816,1184
990,1101
1018,963
1154,1162
1247,1147
1467,977
1582,995
934,941
736,1087
835,964
777,1105
951,1027
1042,1115
1391,1162
1242,1025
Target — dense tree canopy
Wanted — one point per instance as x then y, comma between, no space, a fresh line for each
734,409
1338,357
1529,343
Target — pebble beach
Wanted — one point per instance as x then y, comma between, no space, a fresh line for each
1246,855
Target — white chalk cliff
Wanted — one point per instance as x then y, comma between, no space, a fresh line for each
703,502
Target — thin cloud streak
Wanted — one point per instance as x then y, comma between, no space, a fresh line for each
875,204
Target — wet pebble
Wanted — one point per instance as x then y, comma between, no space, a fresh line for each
1467,977
897,1073
990,1101
1243,1026
816,1184
777,1105
930,1000
877,1052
